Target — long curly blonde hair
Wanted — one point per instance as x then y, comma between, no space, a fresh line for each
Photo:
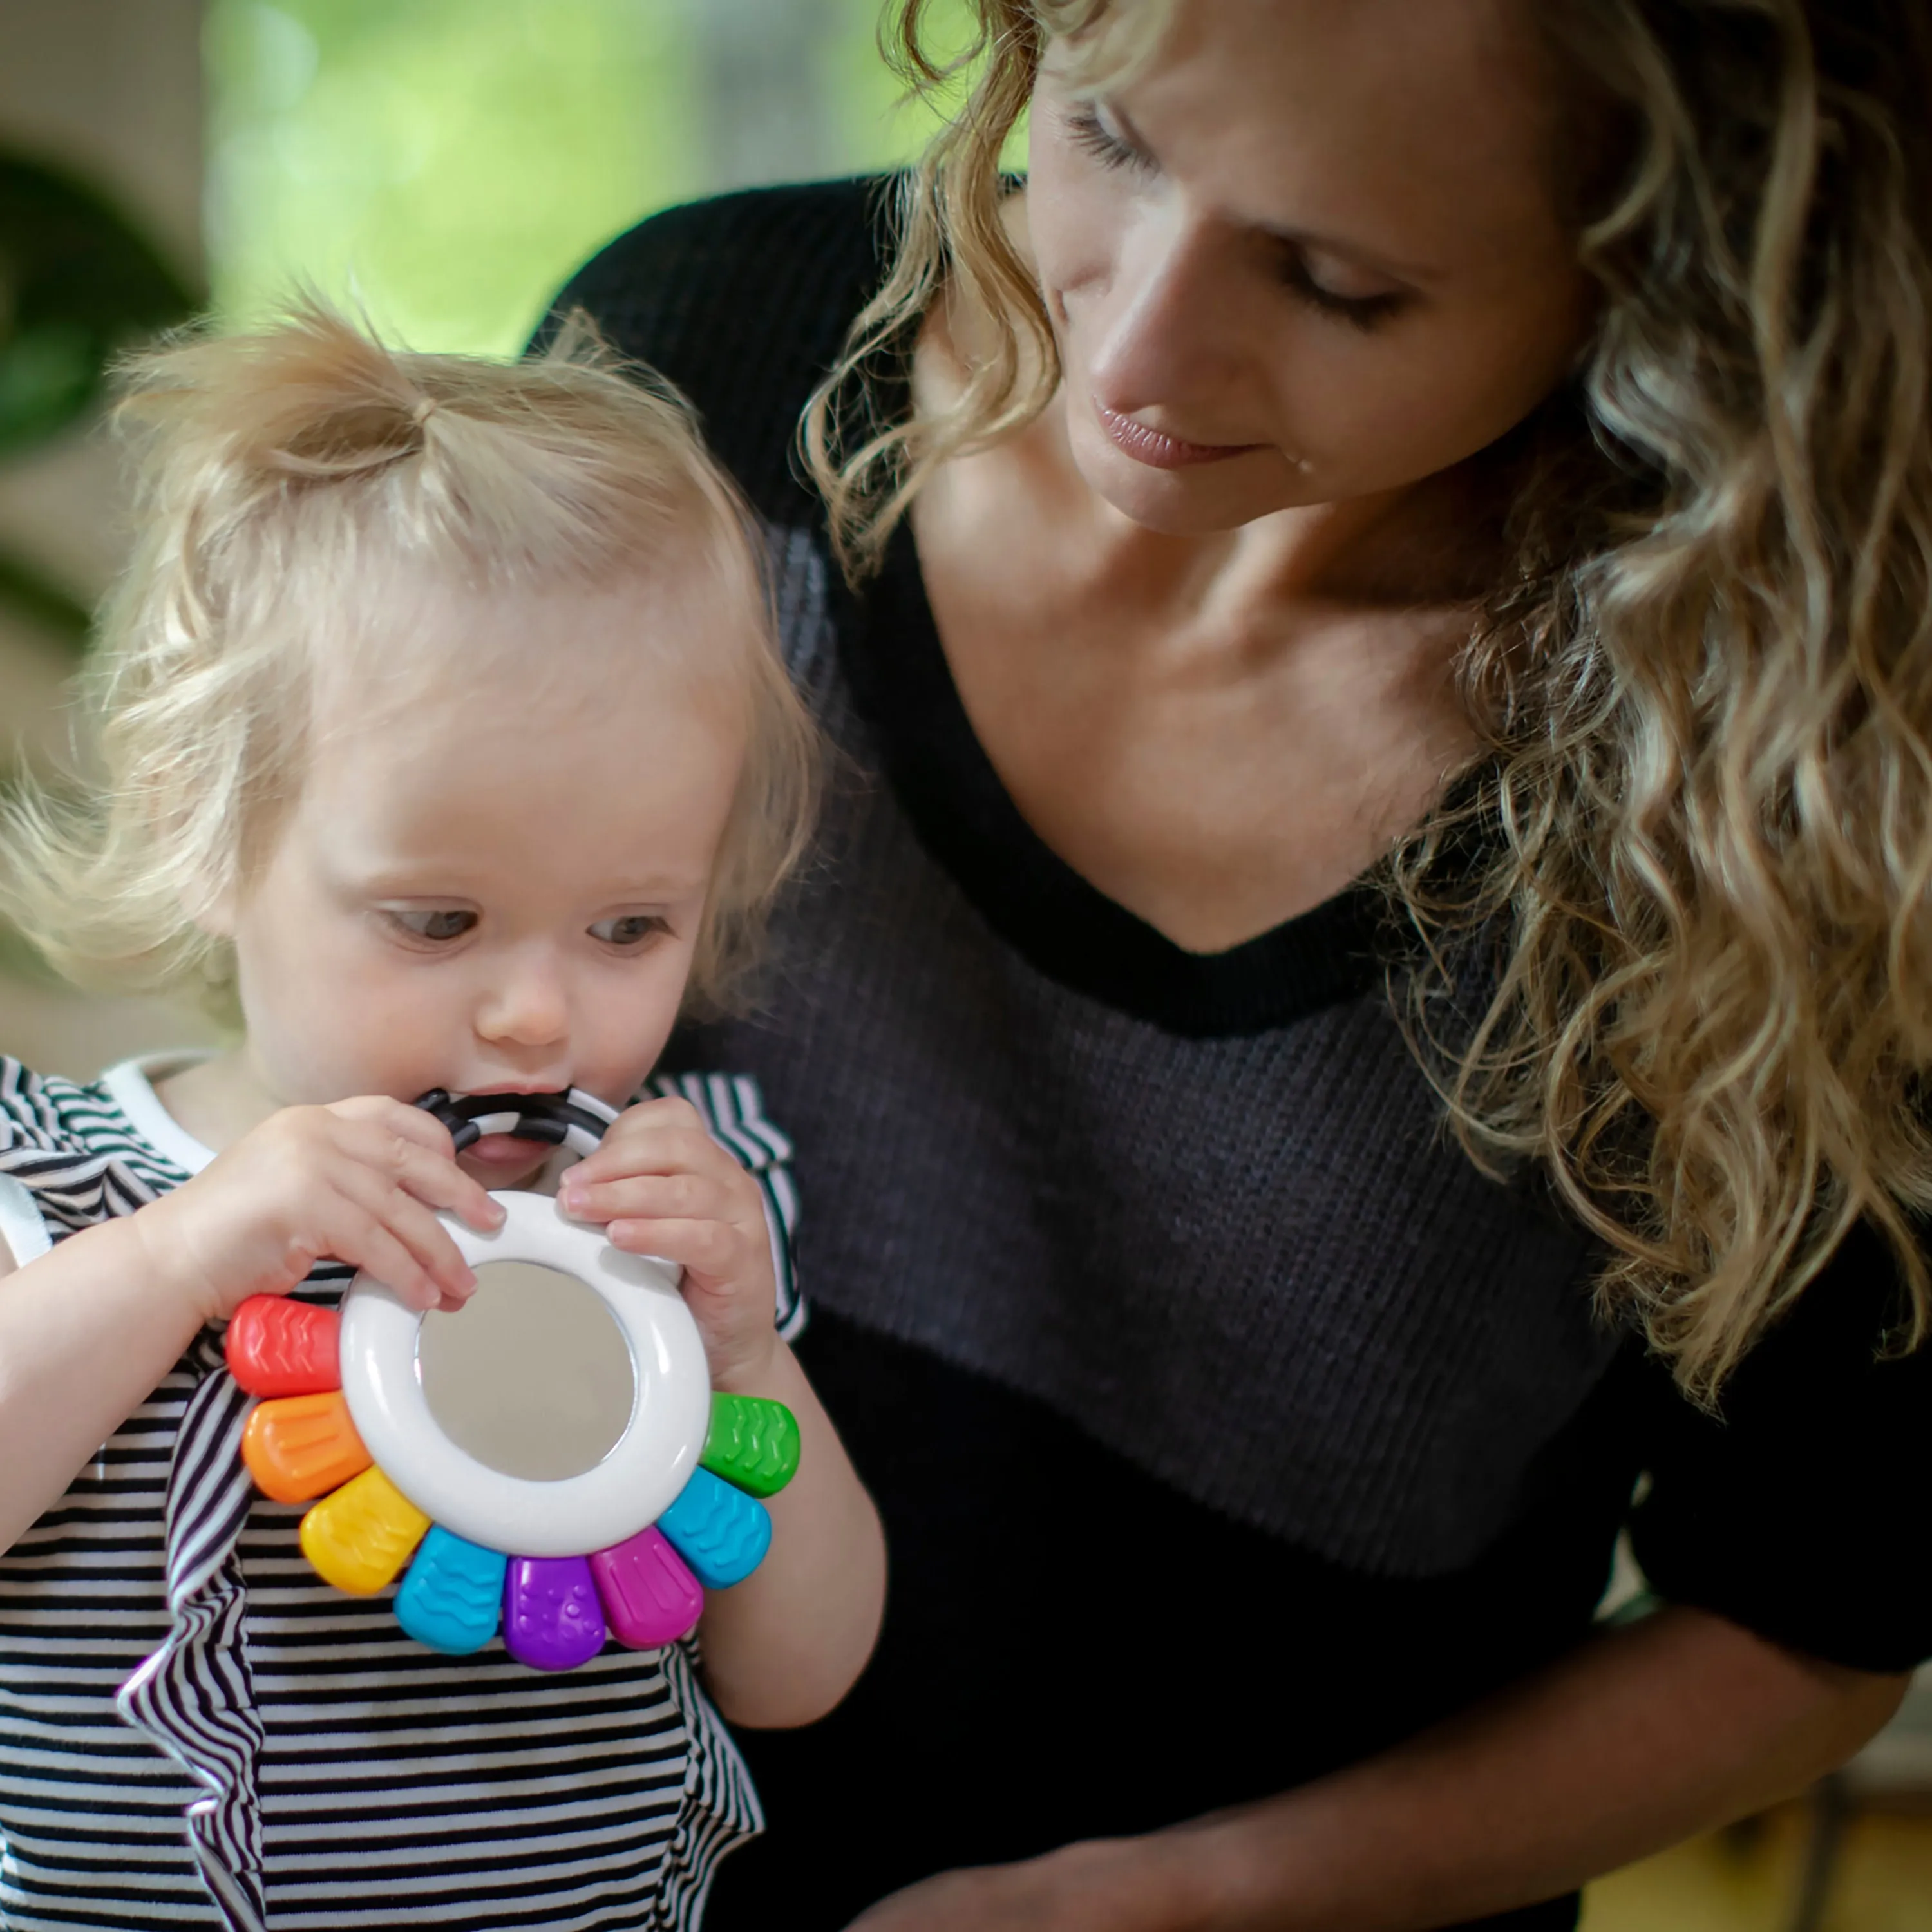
1689,872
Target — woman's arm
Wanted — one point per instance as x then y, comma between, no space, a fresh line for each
1640,1737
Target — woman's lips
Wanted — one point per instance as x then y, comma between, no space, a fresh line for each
1159,451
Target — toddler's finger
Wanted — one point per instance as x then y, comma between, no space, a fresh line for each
371,1246
660,1143
426,1237
398,1116
413,1225
665,1109
432,1175
667,1197
707,1248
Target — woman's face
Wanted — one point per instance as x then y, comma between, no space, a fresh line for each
1312,254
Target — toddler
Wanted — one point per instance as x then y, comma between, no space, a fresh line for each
443,731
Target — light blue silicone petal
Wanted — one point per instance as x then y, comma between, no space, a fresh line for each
720,1532
452,1594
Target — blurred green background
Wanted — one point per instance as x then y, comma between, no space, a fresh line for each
449,162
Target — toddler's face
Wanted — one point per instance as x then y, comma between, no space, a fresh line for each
493,878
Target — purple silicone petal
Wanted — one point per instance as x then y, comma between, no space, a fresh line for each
650,1597
551,1618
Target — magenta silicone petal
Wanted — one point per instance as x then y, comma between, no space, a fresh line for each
650,1597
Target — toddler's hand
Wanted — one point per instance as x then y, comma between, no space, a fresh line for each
359,1181
664,1187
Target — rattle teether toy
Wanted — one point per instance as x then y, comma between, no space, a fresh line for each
626,1549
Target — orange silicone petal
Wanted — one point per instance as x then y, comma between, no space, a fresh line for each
302,1445
358,1538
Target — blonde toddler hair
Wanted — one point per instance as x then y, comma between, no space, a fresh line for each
286,477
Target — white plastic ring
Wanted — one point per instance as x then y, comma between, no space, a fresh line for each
642,1475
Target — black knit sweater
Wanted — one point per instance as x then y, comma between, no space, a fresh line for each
1227,1425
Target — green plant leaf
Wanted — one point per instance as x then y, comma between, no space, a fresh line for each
79,283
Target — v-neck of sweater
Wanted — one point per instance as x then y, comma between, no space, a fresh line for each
1064,925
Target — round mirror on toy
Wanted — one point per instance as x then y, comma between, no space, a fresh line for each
550,1460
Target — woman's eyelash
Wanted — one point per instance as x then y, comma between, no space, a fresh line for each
1361,312
1090,133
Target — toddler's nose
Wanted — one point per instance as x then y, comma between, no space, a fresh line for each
528,1007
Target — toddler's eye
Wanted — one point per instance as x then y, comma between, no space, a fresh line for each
629,929
437,922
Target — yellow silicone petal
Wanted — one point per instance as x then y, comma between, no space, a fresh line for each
301,1446
358,1538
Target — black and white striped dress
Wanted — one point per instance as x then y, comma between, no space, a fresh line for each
195,1730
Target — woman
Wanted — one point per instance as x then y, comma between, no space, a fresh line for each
1390,582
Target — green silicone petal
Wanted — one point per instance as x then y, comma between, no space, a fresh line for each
753,1444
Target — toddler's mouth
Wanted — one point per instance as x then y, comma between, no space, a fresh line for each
502,1160
509,1152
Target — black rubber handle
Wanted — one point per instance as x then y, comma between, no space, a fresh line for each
575,1119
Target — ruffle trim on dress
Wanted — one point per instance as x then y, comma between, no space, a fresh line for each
721,1809
194,1697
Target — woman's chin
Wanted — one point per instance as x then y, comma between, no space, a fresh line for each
1195,501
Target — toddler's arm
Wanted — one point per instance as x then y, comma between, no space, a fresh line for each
88,1330
785,1645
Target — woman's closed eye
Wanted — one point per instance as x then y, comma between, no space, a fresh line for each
1088,127
437,925
628,931
1359,311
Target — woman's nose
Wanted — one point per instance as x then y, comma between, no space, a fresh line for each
1163,335
527,1005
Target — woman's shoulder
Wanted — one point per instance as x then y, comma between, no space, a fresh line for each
743,302
1791,1510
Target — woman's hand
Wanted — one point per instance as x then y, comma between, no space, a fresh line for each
359,1181
662,1185
1106,1886
1639,1738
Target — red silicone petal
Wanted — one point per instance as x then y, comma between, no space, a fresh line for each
278,1347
